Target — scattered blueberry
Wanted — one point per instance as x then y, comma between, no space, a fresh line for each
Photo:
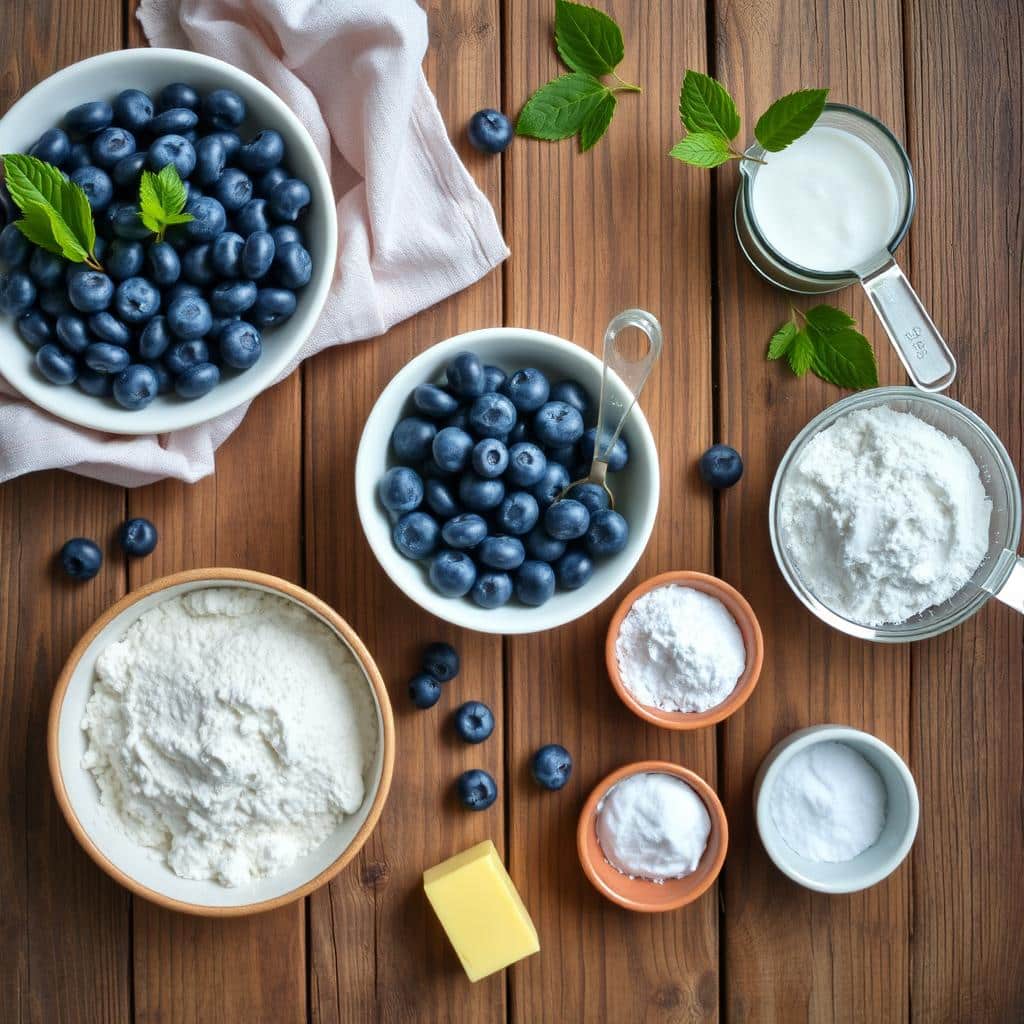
138,537
489,131
551,766
441,661
81,558
474,721
477,789
424,691
720,466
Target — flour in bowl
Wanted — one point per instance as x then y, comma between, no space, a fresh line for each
230,731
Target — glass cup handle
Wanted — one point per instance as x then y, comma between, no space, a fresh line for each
1012,590
925,355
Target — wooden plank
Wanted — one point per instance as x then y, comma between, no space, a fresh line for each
592,234
789,954
64,926
968,712
376,950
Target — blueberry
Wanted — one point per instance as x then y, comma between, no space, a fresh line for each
492,415
103,357
224,108
127,172
573,570
183,355
233,189
14,247
211,157
535,582
441,661
464,531
477,790
54,301
452,448
527,464
517,514
492,589
616,460
154,339
527,389
56,365
412,438
551,766
573,393
433,401
46,269
90,291
490,457
231,141
720,466
34,328
99,385
226,254
558,423
459,418
125,221
164,264
218,324
137,300
591,496
262,152
416,535
197,380
88,118
173,149
174,121
272,306
285,233
208,219
257,254
111,145
494,377
96,185
607,534
133,109
240,344
479,494
401,489
197,264
231,298
17,293
489,131
439,499
164,380
124,259
288,200
72,333
178,94
501,552
53,146
452,573
293,265
81,558
466,375
134,388
424,691
78,157
550,486
108,328
474,721
252,216
566,519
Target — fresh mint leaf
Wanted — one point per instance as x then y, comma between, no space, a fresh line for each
844,358
827,319
789,118
597,123
705,106
562,107
702,149
587,39
800,353
781,340
162,199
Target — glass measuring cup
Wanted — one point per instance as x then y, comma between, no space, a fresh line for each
1001,573
921,348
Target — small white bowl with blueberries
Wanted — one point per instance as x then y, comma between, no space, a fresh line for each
170,237
468,481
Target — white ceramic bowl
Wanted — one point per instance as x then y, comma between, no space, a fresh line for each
635,488
103,77
132,865
875,863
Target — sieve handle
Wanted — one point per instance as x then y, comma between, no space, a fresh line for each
1011,591
925,355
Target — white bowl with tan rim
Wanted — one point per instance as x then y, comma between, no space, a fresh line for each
131,864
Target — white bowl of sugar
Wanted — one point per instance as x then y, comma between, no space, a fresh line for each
836,808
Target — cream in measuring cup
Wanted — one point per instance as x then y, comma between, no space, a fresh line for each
830,210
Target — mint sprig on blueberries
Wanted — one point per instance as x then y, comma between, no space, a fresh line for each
590,44
828,345
162,199
712,121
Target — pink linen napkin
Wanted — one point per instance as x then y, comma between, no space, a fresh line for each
413,228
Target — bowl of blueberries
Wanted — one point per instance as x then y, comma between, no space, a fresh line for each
468,482
168,322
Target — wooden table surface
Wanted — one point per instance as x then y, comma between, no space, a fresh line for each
590,234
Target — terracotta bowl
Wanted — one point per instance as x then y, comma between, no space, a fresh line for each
132,865
745,618
636,893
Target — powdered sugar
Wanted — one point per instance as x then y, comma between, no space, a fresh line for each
679,649
229,730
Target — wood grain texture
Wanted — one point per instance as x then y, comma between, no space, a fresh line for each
789,954
592,234
968,712
377,952
64,926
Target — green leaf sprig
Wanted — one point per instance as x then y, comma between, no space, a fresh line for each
162,200
828,346
56,214
712,121
590,44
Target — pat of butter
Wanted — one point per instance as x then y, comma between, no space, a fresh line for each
477,904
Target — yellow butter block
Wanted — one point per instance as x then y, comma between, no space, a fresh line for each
477,904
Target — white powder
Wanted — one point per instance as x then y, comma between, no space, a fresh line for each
653,826
679,649
230,731
884,516
829,803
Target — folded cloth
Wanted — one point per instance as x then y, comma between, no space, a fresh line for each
413,228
